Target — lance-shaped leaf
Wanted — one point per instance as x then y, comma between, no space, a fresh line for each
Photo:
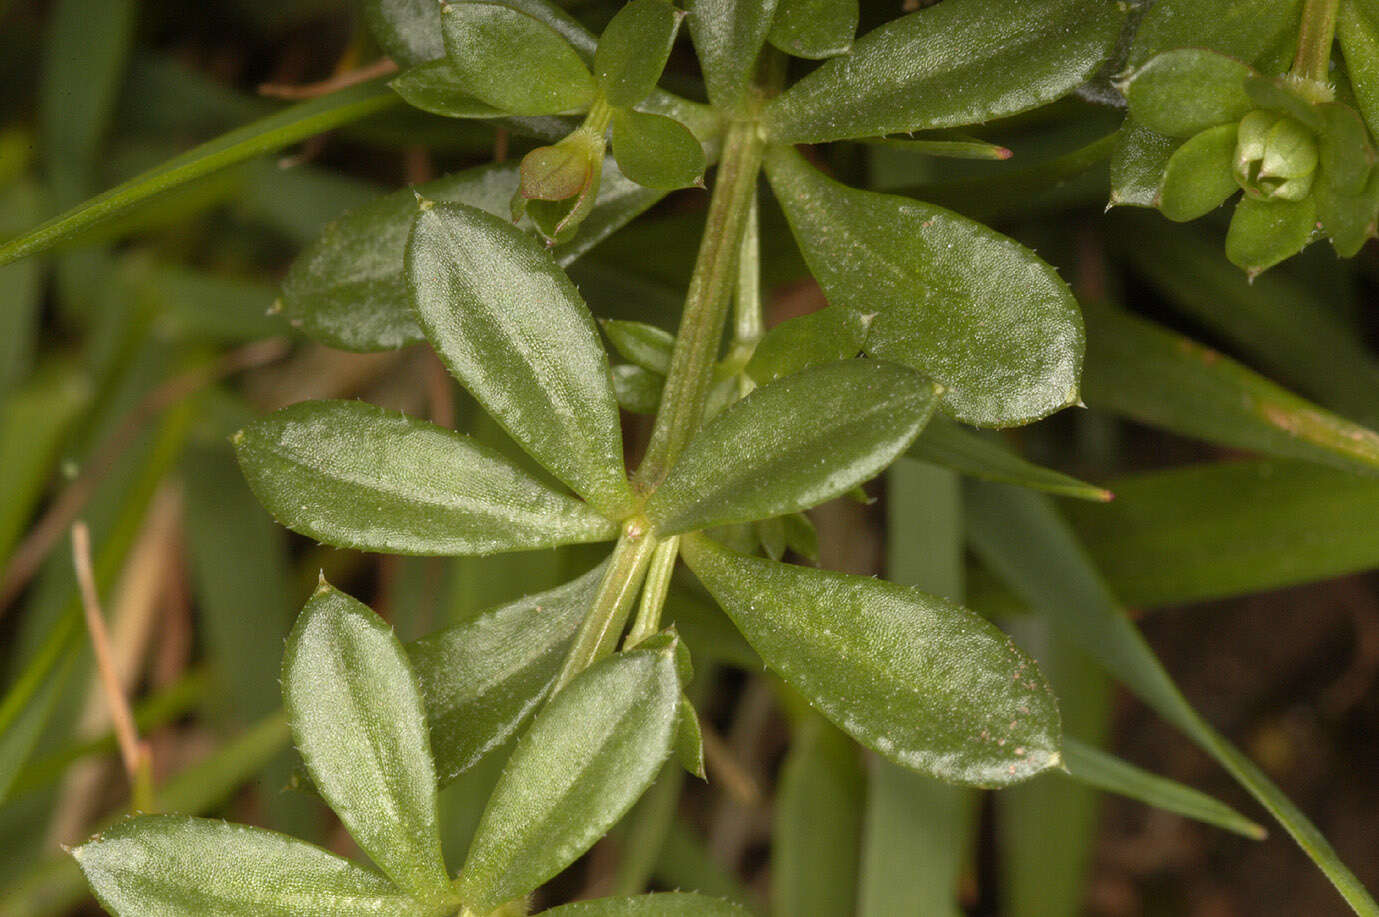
180,867
814,29
358,722
435,87
981,456
1182,92
1094,767
928,684
408,31
793,444
1166,380
665,904
1137,165
585,760
348,289
954,63
728,35
633,49
513,329
1198,177
513,61
1263,233
279,129
973,310
481,680
354,475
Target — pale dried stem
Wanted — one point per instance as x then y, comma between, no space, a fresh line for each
381,67
133,752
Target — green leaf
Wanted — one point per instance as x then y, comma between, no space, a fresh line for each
645,345
1346,153
187,867
656,151
801,536
1021,538
1357,27
348,289
1183,92
1199,178
814,29
728,36
793,444
633,49
434,86
587,757
357,720
978,313
273,132
513,61
926,683
1263,233
825,336
955,63
408,31
816,824
665,904
1245,29
1088,764
483,679
948,444
1138,164
1207,531
354,475
1166,380
513,329
638,390
689,739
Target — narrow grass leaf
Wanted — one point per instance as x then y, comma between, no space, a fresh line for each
1094,767
1166,380
817,825
1021,537
354,475
1208,531
949,444
288,126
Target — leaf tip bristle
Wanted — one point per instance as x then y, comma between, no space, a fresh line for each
1104,495
423,203
1002,152
275,308
237,437
322,586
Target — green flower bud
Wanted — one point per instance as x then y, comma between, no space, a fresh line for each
1275,157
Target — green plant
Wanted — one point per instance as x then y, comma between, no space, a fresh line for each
935,323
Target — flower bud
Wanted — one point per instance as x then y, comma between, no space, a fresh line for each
1275,156
558,183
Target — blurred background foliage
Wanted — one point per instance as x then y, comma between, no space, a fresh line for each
1242,530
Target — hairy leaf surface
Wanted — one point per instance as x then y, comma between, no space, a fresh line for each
926,683
354,475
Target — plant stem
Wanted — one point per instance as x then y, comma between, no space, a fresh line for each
654,592
1315,36
706,304
598,634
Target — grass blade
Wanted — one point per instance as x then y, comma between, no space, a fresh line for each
273,132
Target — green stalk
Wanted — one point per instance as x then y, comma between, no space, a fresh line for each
706,304
1315,36
598,634
654,592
